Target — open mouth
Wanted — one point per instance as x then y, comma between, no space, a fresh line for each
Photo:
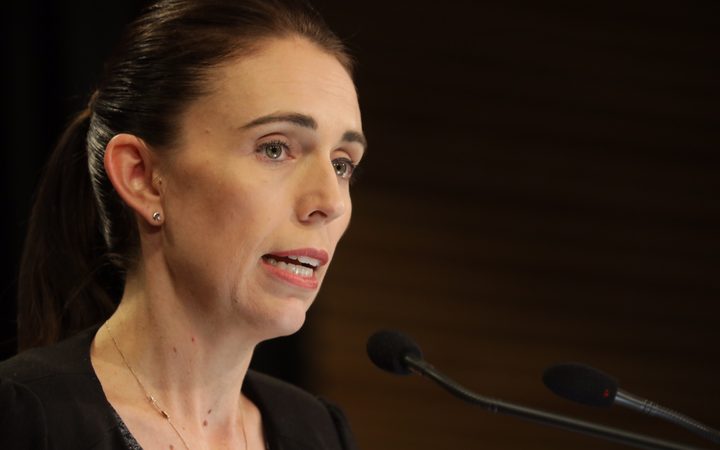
303,266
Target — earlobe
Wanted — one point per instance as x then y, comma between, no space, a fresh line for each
130,168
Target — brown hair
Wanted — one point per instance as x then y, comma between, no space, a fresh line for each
82,238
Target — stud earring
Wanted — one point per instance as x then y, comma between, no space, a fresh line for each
156,216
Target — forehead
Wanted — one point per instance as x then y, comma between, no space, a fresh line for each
284,75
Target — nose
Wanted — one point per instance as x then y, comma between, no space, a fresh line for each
322,197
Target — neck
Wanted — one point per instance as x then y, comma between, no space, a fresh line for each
191,364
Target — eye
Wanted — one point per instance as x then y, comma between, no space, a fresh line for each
273,150
344,168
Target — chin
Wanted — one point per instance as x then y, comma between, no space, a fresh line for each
286,321
290,323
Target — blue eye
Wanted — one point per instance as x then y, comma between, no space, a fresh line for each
344,168
274,150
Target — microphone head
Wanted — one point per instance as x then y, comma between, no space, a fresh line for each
581,383
387,350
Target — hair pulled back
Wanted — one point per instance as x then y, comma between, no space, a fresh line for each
82,238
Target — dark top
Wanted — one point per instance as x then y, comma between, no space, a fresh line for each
50,398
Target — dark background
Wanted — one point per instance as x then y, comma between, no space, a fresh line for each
541,186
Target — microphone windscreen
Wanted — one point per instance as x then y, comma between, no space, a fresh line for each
387,350
581,383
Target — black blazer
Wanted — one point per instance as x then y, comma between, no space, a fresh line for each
50,398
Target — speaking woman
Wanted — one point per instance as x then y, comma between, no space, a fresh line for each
210,174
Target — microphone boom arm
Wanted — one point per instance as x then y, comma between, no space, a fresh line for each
421,367
645,406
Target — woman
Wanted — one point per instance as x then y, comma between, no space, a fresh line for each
212,168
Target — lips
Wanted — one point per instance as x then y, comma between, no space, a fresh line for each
302,266
296,266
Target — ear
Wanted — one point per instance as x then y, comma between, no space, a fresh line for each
129,165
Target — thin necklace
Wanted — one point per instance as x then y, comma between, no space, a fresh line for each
154,402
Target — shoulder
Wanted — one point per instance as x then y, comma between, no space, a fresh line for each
47,392
71,356
56,374
298,417
22,418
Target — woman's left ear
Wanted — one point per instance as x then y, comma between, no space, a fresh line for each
132,171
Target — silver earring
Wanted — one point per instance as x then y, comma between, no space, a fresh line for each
156,216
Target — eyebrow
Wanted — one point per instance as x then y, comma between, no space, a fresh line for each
304,121
354,136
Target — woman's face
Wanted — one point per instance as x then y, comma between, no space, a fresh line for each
256,196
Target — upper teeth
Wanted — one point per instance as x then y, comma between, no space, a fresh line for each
305,260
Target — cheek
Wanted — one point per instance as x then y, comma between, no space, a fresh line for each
208,212
338,227
233,218
214,232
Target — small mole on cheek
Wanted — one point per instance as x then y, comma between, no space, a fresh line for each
209,411
175,349
193,338
171,447
204,423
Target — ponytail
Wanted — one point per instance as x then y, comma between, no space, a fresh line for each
63,268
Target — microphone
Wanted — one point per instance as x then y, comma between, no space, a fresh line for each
589,386
398,354
388,350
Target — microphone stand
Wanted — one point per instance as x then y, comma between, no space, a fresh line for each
645,406
421,367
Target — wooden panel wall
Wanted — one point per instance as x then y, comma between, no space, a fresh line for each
541,186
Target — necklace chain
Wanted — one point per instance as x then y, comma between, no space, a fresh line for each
152,399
